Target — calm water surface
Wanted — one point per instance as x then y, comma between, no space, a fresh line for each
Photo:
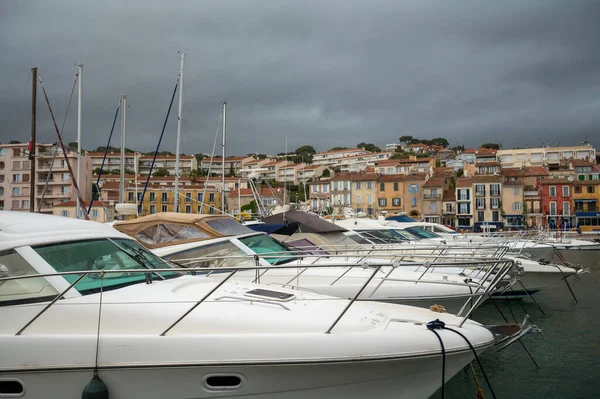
567,350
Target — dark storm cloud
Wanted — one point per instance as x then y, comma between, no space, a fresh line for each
320,73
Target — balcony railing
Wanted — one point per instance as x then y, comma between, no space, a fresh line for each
432,196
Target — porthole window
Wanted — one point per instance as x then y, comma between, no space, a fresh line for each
12,388
221,382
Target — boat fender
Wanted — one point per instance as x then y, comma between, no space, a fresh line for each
95,389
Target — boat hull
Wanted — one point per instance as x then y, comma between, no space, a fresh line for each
391,378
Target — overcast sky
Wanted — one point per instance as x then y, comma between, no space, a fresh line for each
324,73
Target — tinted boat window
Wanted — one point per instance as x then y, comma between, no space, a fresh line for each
222,254
228,226
263,244
21,290
420,232
101,254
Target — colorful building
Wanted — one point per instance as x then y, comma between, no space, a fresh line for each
390,193
556,201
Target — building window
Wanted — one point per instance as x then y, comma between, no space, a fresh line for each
590,189
163,208
65,177
64,212
395,201
369,199
139,195
95,214
495,216
413,201
495,189
152,209
16,190
552,208
566,208
516,191
188,209
565,191
463,195
381,186
199,197
152,197
211,197
552,191
130,196
315,189
464,208
165,197
326,188
25,204
480,203
516,206
395,186
382,202
480,216
188,198
17,178
369,185
448,208
199,208
358,185
413,188
211,210
480,189
578,190
358,199
65,190
494,203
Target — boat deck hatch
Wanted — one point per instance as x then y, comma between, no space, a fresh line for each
269,294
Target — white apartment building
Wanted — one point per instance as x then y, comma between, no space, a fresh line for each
329,158
235,164
187,163
517,157
113,161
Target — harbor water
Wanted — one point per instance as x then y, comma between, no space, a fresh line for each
567,350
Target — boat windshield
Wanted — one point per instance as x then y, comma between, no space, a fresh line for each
263,244
220,254
381,236
169,233
421,232
103,254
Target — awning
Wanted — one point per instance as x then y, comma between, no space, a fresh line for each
586,200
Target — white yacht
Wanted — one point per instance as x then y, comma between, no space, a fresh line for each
220,241
537,274
79,300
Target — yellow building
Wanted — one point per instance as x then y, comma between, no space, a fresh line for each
192,199
390,192
100,212
513,204
364,192
586,196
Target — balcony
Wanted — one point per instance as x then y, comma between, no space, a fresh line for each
480,193
432,197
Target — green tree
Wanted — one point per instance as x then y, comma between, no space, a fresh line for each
304,153
252,207
14,142
231,170
72,146
368,147
261,156
460,173
199,157
162,172
338,148
440,141
326,172
405,139
491,146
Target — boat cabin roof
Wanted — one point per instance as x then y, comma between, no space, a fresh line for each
170,228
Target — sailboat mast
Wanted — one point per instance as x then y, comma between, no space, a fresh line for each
32,178
223,157
79,120
122,174
176,199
